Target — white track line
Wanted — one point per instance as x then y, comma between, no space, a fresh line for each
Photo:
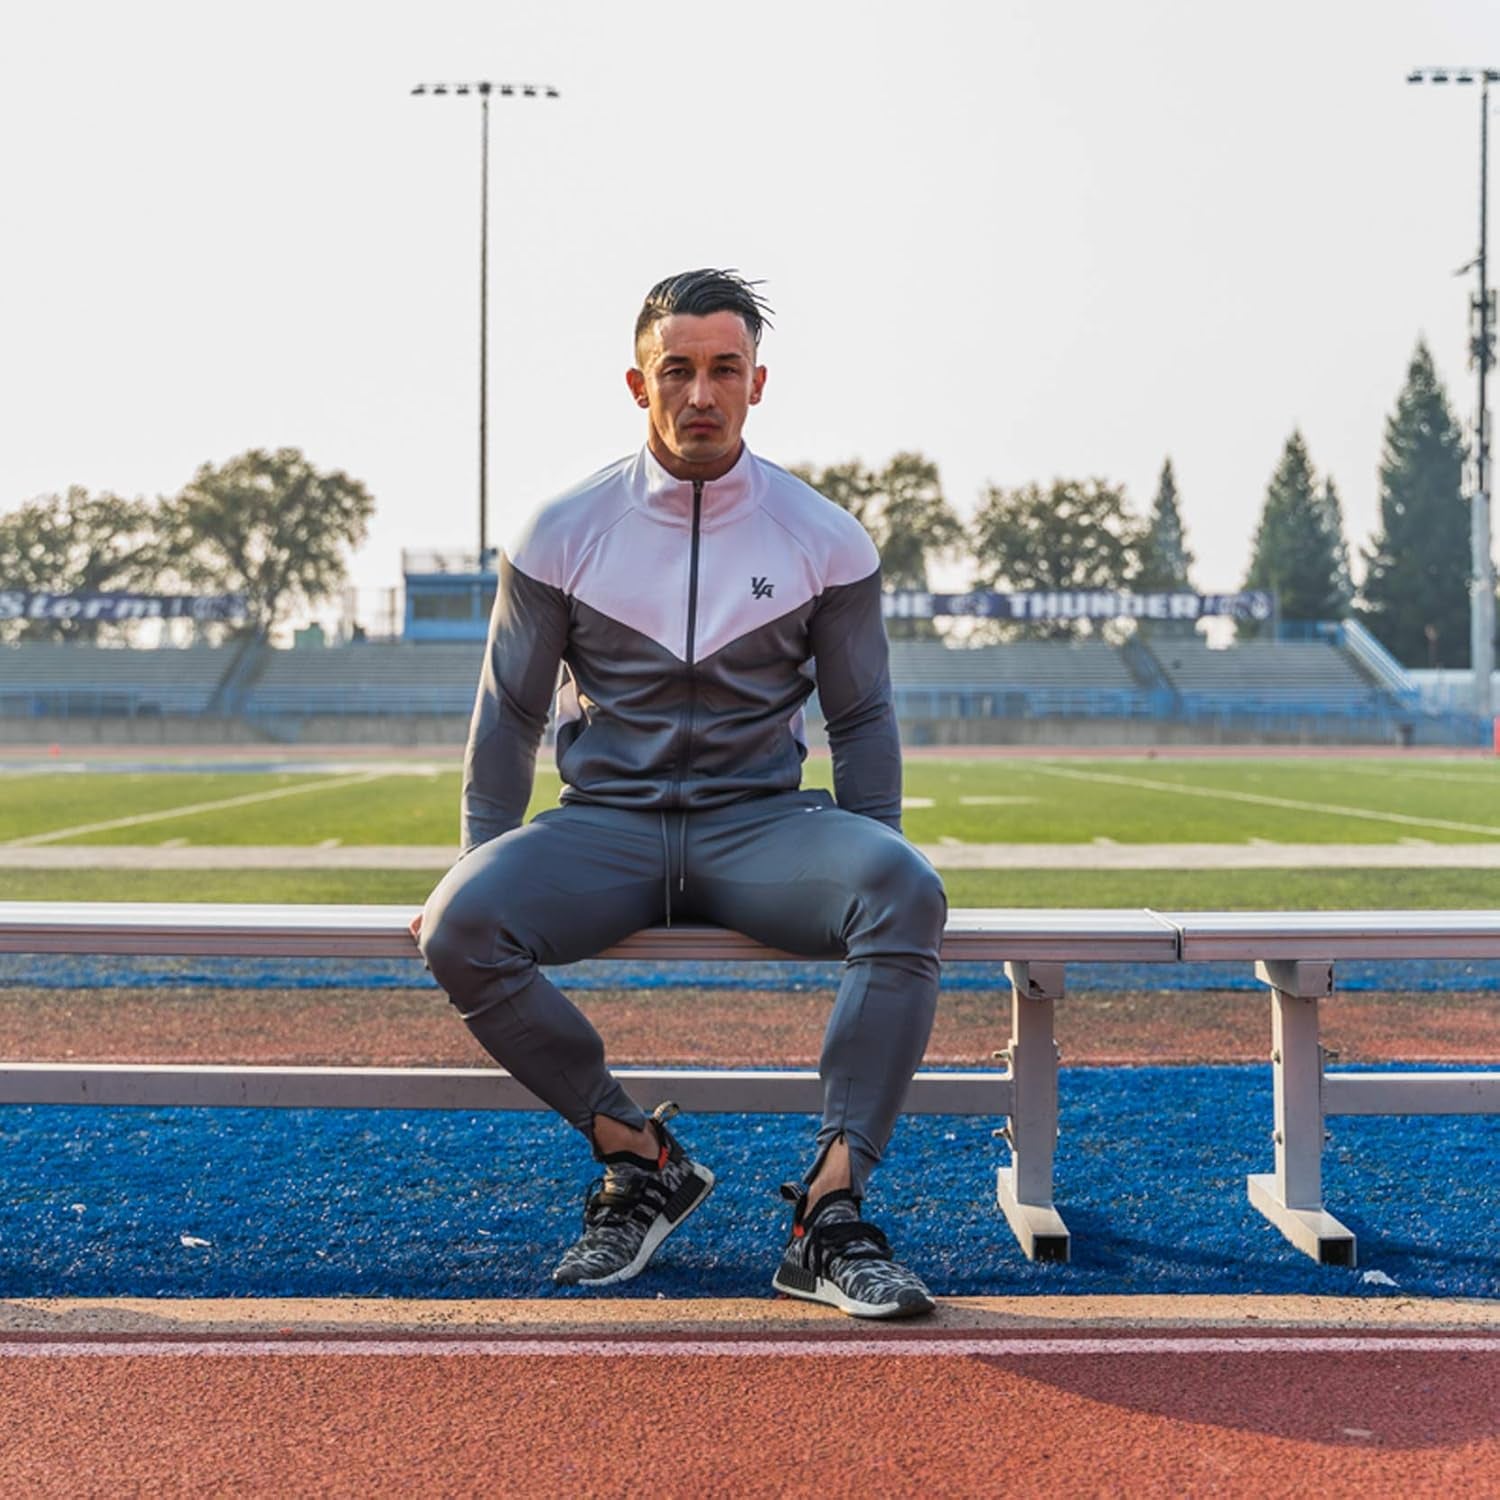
55,835
748,1348
1260,799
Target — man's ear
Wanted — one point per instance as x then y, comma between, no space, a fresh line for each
636,380
757,384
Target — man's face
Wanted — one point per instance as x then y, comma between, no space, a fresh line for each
698,379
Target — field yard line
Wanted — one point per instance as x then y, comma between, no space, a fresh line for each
78,830
1262,799
739,1348
1407,773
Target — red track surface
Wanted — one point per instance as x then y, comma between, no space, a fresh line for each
1267,1423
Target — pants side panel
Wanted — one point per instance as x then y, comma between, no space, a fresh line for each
798,873
561,888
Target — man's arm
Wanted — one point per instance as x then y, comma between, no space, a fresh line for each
528,632
847,635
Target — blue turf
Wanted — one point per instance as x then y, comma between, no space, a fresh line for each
1151,1170
81,971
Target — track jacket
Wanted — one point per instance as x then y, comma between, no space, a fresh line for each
690,619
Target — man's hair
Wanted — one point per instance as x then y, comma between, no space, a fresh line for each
698,293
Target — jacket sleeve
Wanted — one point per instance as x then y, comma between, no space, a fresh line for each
528,633
847,636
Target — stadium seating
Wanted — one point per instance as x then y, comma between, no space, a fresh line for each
1281,672
63,679
1286,688
389,678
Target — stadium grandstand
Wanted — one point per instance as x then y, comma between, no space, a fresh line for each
1333,684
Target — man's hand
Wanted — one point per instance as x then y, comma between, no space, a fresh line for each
415,927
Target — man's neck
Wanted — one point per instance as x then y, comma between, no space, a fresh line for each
680,468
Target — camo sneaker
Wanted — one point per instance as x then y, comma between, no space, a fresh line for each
632,1209
834,1256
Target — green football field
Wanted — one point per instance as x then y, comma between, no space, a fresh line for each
1036,801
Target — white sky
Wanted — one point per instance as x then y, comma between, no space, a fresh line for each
1029,238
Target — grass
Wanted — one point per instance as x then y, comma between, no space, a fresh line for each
1040,801
1166,890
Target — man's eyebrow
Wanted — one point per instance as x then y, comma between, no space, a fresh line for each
683,359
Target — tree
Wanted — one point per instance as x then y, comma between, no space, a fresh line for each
1300,551
271,527
77,543
1416,588
1074,535
1332,513
903,508
1165,561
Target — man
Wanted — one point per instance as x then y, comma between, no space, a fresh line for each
687,593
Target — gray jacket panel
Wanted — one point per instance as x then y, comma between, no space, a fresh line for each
689,622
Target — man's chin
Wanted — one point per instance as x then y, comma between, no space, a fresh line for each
705,450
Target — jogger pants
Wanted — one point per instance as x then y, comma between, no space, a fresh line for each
789,869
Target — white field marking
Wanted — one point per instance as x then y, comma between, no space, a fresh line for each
1259,799
734,1348
245,800
1408,773
919,802
328,844
995,801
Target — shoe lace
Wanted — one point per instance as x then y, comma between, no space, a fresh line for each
850,1239
618,1197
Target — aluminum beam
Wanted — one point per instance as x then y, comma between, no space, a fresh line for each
699,1091
1411,1093
207,930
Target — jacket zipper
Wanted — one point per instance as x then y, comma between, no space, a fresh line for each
685,760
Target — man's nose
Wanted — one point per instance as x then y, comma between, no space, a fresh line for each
701,392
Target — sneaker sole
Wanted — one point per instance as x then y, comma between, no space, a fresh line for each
659,1230
825,1291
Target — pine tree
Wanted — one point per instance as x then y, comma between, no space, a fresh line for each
1332,513
1416,589
1299,543
1165,559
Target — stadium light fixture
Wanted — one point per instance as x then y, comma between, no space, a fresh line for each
484,88
1482,355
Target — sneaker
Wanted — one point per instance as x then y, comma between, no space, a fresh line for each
632,1209
834,1256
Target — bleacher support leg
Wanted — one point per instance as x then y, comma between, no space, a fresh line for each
1024,1188
1291,1197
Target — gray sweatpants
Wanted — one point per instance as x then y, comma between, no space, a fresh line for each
791,870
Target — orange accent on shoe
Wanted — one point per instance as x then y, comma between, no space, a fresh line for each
661,1160
798,1231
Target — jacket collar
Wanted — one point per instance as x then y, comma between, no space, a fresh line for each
670,500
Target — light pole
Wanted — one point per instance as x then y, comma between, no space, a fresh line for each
1482,352
484,90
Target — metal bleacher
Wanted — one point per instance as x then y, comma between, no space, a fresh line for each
1319,685
1315,673
54,679
1023,678
388,678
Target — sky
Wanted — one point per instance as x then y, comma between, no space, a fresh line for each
1028,238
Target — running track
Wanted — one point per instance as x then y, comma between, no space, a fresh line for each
789,1405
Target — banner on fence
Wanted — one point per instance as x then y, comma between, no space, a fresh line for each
1081,604
120,609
